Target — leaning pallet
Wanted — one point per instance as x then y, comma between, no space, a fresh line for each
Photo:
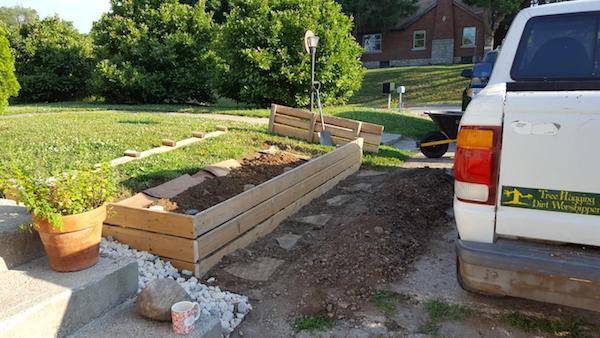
198,242
306,125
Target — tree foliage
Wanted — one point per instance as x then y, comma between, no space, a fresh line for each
494,12
262,44
154,51
382,15
219,8
17,15
8,82
53,61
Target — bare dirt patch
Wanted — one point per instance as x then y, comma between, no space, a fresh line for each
371,239
253,171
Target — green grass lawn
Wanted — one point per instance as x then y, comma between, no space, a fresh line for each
49,144
424,85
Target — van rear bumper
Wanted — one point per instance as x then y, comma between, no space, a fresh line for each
542,272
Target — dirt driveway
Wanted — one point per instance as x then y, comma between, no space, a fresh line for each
374,258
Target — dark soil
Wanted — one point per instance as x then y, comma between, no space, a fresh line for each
254,170
371,240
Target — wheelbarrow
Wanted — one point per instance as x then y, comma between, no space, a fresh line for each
435,144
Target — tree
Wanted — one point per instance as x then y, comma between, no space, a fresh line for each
8,82
219,8
53,61
17,15
262,45
494,11
383,15
154,51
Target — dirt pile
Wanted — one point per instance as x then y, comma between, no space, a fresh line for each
371,239
254,171
380,243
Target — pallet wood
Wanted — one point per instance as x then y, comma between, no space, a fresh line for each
159,244
290,131
305,125
271,224
231,229
150,220
222,212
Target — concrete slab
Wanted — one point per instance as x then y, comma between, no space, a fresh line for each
16,246
123,321
319,220
370,173
359,187
288,241
339,200
260,270
38,302
389,138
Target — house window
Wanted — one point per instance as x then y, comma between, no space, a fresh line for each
372,43
419,40
469,37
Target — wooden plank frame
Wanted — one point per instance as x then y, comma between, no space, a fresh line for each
198,242
305,125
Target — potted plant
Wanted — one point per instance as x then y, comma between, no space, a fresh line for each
67,211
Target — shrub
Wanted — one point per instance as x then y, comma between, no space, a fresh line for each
262,45
154,51
8,82
69,193
53,61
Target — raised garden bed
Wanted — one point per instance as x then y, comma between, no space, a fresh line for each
198,242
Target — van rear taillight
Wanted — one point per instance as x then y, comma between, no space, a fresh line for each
477,163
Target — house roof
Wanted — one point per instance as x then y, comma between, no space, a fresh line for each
425,6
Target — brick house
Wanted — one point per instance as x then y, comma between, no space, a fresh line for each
440,32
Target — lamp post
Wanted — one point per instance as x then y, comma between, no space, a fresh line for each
312,41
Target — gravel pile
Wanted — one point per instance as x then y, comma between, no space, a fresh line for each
231,308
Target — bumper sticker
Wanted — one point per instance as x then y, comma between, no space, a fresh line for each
551,200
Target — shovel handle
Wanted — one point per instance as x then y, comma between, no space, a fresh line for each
320,108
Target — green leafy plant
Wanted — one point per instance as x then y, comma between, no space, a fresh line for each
53,61
313,323
69,193
262,46
155,51
8,82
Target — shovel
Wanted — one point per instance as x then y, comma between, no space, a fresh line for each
324,135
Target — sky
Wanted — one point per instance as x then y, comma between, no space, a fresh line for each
81,12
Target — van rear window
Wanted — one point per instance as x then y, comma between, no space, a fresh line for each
559,47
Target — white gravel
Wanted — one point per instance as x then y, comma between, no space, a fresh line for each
231,308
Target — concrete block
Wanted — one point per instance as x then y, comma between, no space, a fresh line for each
123,321
16,246
38,302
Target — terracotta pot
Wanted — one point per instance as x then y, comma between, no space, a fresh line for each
77,246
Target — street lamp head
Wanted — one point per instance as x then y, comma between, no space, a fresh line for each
313,42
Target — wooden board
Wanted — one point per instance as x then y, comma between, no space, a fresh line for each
163,245
290,131
215,239
222,212
294,112
305,125
292,121
151,220
271,224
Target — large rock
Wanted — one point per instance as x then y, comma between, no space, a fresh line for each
158,296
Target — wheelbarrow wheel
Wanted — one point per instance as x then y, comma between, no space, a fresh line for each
434,151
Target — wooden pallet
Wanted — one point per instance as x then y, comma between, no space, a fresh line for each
198,242
305,125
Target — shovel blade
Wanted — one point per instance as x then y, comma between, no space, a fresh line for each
325,138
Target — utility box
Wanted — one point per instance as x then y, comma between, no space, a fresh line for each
388,87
